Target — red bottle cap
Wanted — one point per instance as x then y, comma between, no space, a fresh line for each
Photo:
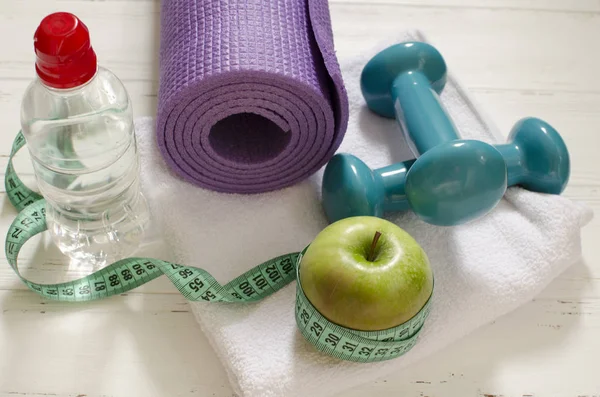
64,54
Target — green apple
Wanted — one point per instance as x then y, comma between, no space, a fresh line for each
366,273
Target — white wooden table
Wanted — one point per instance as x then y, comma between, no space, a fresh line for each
518,58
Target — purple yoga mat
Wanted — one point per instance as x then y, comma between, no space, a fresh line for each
251,98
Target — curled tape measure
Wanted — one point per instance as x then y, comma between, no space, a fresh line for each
198,285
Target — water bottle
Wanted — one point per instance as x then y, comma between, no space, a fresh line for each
77,120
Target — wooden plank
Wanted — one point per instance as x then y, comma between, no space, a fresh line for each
497,48
537,5
150,345
543,5
134,345
538,350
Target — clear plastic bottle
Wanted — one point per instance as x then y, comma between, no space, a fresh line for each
78,123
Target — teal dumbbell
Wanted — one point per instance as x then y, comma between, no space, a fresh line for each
536,158
452,181
351,188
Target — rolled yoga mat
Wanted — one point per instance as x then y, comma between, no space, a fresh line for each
251,98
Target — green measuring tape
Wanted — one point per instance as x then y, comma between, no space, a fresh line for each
197,284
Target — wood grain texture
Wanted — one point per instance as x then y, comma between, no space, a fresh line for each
517,58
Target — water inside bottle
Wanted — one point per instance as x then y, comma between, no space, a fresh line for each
87,169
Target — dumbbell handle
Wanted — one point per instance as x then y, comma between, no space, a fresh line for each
393,178
420,113
513,160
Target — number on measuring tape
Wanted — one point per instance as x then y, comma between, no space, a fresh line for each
84,290
38,217
316,328
349,346
397,350
260,281
273,273
332,339
304,316
237,296
11,183
51,291
382,351
16,232
20,196
138,269
67,291
196,284
287,265
247,289
208,296
115,281
100,285
366,351
149,265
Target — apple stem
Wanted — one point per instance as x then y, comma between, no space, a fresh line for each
371,256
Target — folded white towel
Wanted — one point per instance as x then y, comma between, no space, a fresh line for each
483,270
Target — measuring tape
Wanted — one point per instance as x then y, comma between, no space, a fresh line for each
196,284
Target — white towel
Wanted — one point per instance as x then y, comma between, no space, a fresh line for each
483,270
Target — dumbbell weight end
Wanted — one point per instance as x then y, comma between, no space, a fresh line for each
351,188
404,82
536,157
456,182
